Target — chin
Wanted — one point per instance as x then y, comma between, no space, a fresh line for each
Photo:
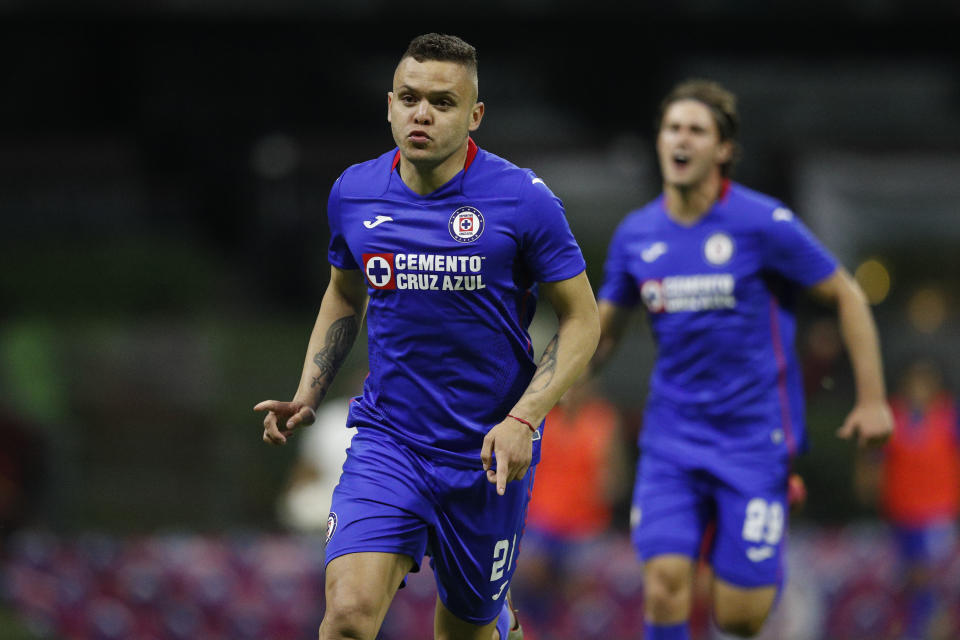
416,153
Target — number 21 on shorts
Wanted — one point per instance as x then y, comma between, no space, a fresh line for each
502,557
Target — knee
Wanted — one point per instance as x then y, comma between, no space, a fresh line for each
744,624
349,617
667,594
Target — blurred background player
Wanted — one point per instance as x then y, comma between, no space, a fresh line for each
716,266
582,475
439,244
917,478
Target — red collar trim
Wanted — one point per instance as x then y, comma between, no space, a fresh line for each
471,153
724,189
472,149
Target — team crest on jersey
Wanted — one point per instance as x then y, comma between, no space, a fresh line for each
378,267
651,292
331,525
718,249
466,224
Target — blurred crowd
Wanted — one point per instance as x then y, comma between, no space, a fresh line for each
893,573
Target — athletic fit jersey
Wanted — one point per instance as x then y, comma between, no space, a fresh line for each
719,298
451,277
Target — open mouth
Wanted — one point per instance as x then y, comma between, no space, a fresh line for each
680,159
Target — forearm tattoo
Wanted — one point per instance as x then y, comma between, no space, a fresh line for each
547,367
336,345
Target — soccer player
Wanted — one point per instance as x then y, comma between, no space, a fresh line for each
918,474
716,266
443,245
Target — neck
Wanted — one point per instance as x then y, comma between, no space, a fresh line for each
425,178
686,204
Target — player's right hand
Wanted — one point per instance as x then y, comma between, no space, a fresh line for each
510,443
870,424
283,417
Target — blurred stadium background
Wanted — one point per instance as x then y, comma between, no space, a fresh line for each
164,168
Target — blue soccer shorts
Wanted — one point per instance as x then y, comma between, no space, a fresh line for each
392,499
674,502
927,544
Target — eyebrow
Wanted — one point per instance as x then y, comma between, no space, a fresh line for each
433,94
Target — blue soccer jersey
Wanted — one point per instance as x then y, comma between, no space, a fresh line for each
451,277
719,295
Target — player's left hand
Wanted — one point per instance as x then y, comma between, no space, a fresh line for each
871,423
511,442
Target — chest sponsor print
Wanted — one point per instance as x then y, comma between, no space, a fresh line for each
378,268
689,293
423,272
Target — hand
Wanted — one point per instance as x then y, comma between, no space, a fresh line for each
872,424
289,414
511,442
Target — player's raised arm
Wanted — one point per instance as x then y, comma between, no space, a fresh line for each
338,323
563,359
870,418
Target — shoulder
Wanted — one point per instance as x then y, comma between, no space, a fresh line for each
640,221
367,178
490,172
754,208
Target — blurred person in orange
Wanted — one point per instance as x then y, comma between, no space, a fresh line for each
582,474
917,479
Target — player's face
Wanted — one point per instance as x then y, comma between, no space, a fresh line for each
432,109
689,145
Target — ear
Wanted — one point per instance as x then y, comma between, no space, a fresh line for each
725,152
476,115
389,104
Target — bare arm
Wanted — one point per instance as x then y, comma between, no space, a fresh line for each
562,361
334,332
870,420
613,324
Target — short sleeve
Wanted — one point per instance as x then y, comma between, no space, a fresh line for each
791,249
338,253
549,249
619,286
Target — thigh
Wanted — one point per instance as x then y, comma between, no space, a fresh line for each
474,545
742,607
749,548
447,626
671,509
359,588
382,503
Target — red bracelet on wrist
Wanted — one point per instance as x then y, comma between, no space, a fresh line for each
532,428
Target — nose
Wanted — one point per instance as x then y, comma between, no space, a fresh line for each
422,114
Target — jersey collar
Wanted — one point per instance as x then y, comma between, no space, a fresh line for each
472,149
724,190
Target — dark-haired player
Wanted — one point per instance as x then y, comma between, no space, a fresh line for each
716,265
443,245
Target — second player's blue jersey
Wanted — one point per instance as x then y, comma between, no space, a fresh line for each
719,296
452,282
